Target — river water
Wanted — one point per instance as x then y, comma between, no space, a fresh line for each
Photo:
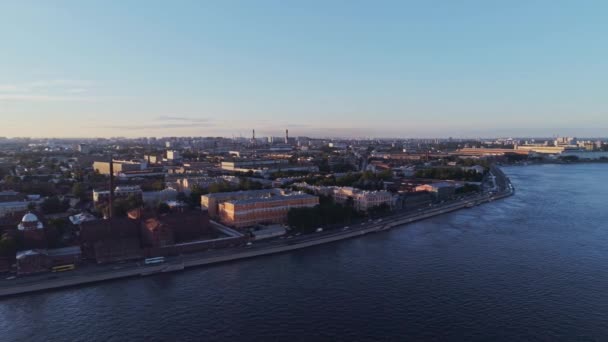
531,267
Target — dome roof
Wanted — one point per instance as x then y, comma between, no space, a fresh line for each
29,217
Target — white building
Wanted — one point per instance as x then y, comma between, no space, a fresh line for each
153,197
363,200
119,192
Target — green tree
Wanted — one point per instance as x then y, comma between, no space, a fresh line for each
54,205
163,208
79,191
8,245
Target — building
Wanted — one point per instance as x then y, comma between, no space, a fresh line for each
155,172
11,196
32,261
440,190
264,167
415,199
476,152
173,155
119,192
103,167
252,164
156,233
186,184
154,197
212,201
153,159
115,239
30,222
362,200
544,149
269,209
65,256
187,226
7,208
84,148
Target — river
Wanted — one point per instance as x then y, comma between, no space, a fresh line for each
530,267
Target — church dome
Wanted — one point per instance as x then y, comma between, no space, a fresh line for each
30,222
29,217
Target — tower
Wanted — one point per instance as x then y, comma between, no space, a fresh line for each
287,136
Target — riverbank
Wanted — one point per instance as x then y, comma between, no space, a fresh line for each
94,274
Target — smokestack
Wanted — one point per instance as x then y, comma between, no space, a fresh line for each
111,199
287,136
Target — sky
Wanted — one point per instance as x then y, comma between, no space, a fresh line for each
318,68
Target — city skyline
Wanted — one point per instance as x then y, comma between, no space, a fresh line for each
394,69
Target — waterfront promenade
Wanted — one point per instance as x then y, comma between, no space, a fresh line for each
96,273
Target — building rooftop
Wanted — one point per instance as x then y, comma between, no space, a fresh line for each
220,195
73,250
14,203
272,198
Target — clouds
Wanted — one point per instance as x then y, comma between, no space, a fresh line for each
164,123
189,120
55,90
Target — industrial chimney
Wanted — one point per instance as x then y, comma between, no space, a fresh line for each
111,198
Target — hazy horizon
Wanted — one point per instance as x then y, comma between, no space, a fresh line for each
320,69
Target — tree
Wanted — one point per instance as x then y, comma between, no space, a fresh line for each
60,226
569,159
54,205
379,210
163,208
181,197
385,175
324,166
350,202
79,191
8,245
11,181
467,188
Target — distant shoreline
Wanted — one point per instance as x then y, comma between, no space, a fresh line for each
81,277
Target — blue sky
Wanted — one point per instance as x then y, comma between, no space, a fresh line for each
319,68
